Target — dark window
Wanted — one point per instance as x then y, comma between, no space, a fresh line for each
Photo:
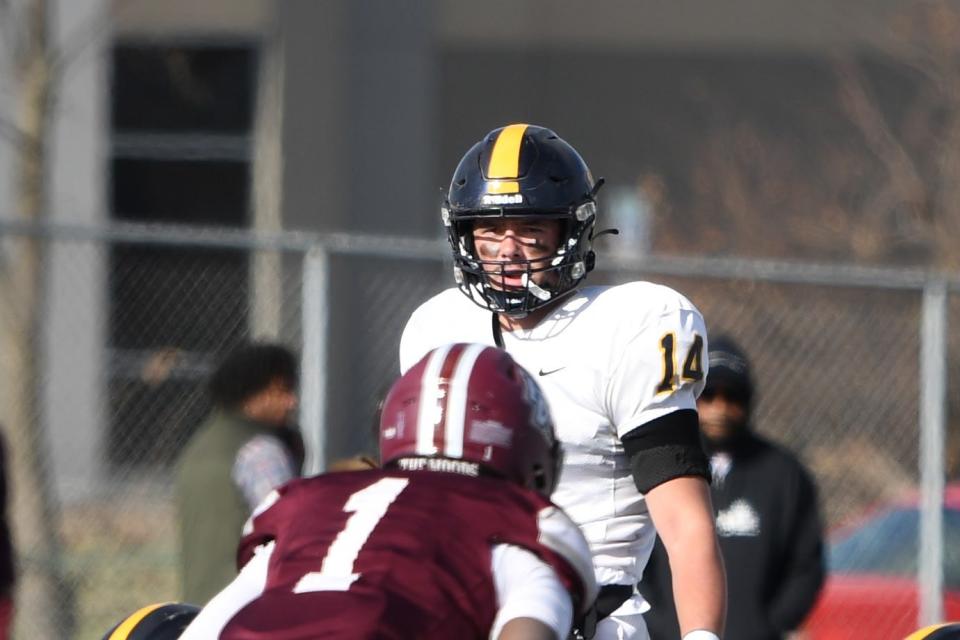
182,116
180,191
183,88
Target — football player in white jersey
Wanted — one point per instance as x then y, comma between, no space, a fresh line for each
621,367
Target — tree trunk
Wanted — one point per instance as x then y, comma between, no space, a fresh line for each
44,602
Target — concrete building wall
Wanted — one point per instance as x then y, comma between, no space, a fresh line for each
681,24
366,112
189,17
378,99
774,24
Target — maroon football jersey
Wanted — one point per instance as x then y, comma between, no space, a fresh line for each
390,554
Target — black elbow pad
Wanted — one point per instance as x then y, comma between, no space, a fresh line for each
666,448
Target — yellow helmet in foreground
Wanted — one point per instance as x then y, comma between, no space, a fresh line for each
163,621
942,631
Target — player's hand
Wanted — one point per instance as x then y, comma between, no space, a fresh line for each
355,463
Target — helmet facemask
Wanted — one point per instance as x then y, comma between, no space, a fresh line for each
521,171
482,280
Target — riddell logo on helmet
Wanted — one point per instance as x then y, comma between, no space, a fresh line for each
503,198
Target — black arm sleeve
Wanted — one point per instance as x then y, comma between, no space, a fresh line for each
666,448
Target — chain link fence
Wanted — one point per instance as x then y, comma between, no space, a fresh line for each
128,322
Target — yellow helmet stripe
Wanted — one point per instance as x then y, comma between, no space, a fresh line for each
505,160
128,625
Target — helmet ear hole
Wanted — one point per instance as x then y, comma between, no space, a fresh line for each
540,479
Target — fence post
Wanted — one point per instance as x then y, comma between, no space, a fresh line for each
933,390
313,369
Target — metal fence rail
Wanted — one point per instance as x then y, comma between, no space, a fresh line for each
852,365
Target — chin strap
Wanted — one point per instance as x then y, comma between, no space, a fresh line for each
497,330
596,187
606,232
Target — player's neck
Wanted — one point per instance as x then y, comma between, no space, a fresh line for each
527,322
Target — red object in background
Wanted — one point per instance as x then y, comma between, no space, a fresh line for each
871,589
855,607
6,618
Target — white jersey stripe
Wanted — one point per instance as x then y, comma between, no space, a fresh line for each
457,401
430,409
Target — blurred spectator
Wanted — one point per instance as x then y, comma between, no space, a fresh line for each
768,519
246,448
7,570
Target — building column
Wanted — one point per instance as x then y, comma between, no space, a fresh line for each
74,338
360,144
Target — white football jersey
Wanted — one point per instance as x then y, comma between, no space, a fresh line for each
609,359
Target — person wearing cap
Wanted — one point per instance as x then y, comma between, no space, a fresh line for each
767,515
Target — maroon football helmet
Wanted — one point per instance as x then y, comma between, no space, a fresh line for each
469,408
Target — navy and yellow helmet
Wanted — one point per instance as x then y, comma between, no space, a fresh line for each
522,171
943,631
163,621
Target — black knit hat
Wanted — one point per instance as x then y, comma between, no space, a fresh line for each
729,369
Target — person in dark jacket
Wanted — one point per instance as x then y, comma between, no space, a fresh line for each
767,514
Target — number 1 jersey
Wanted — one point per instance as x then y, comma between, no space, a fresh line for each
393,554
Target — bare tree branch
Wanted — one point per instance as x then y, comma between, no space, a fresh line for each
929,43
865,114
36,512
8,32
948,181
12,133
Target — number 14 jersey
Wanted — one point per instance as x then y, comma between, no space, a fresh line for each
609,360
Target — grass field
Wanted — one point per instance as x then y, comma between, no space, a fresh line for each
119,555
